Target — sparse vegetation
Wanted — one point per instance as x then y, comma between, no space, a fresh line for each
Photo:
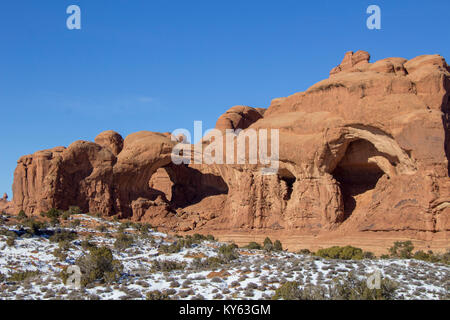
401,249
123,241
343,253
253,246
99,265
167,266
63,235
228,253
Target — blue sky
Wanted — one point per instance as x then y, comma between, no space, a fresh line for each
160,65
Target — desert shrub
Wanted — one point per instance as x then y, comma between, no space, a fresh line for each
22,215
288,291
368,255
277,246
53,214
123,241
60,254
348,288
228,252
34,227
75,223
167,265
206,263
268,245
87,245
64,245
65,215
102,228
432,257
254,246
8,233
157,295
99,265
63,235
124,225
143,228
22,275
352,288
199,238
174,247
74,210
304,251
401,249
344,253
11,241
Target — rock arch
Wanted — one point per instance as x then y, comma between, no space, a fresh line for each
360,157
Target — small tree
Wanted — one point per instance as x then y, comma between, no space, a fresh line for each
402,249
99,265
277,246
228,252
268,245
21,215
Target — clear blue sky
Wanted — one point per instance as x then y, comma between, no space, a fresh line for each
160,65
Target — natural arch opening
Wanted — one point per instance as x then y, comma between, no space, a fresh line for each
183,186
356,175
287,180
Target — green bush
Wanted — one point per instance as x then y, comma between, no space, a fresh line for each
99,265
181,243
253,246
123,241
74,210
401,249
167,265
157,295
22,275
143,228
21,215
102,228
348,288
268,245
277,246
63,235
60,254
432,257
34,227
288,291
210,263
344,253
228,252
52,214
75,223
199,238
304,251
11,241
86,245
351,288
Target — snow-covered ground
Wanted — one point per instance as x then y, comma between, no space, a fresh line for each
254,275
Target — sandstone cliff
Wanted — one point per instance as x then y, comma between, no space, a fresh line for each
364,151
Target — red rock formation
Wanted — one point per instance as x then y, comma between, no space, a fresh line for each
364,151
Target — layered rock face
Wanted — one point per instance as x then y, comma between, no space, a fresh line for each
364,151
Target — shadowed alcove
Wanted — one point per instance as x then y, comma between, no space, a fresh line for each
357,175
